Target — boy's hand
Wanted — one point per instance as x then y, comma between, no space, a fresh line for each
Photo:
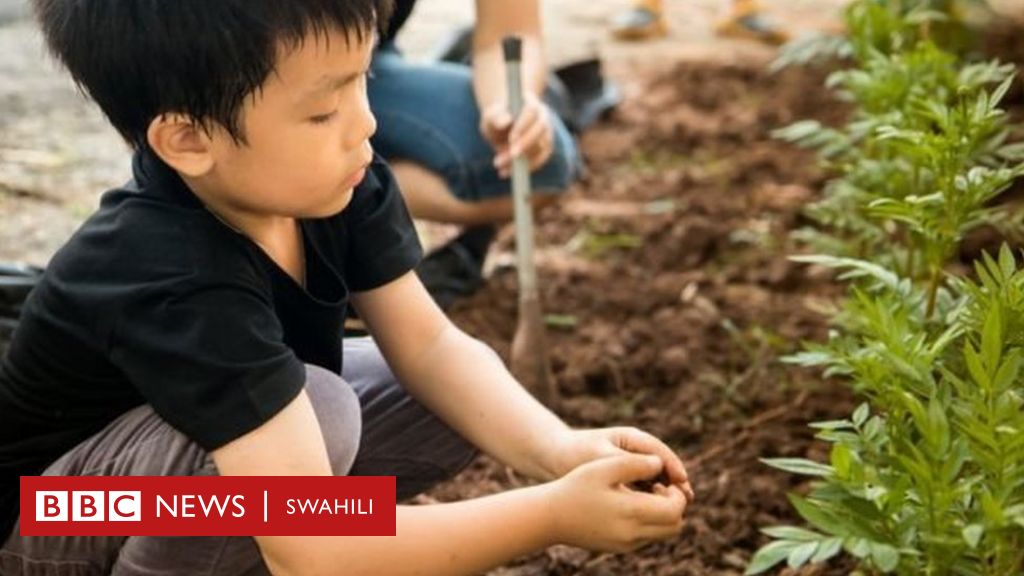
593,508
578,447
531,136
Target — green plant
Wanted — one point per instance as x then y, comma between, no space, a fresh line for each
919,163
885,26
928,476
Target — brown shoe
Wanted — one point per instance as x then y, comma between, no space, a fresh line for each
640,23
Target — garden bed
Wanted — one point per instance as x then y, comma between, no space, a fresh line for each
667,271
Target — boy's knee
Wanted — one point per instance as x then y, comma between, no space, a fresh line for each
339,415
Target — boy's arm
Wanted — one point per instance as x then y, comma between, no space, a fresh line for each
466,384
588,508
461,379
446,539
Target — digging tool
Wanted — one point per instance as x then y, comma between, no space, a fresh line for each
529,353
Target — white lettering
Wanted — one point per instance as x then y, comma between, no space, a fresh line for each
161,503
337,506
214,501
237,500
125,506
184,506
188,506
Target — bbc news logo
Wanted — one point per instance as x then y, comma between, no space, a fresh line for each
89,506
207,505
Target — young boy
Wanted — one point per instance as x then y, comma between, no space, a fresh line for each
193,324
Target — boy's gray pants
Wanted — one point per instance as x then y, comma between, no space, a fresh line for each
371,428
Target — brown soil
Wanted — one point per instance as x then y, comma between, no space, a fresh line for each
679,325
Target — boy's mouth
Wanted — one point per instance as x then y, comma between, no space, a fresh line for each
356,177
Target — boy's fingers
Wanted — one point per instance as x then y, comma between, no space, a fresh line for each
628,468
660,509
687,490
634,440
650,533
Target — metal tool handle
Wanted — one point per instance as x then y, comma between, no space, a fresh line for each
512,48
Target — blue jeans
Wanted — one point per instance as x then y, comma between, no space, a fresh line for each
370,426
427,114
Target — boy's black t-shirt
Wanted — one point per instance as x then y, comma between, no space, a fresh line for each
154,300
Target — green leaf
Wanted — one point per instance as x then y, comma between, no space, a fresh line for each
974,365
1008,372
992,339
854,268
940,343
798,130
859,547
1007,262
809,358
1012,152
1001,91
938,424
874,493
874,429
770,555
819,516
991,508
791,533
884,556
801,554
972,535
841,460
860,415
827,549
799,466
920,415
832,425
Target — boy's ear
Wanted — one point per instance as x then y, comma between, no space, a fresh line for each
181,143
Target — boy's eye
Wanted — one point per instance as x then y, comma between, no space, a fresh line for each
323,118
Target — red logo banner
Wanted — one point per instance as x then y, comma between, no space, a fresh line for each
207,505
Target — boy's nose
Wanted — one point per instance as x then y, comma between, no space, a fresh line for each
371,128
364,127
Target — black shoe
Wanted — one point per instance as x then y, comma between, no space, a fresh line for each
455,270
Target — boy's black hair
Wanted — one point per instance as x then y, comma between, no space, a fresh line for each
139,59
